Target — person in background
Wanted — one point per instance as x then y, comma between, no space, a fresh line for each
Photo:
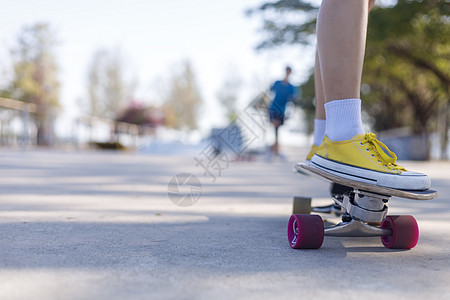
284,92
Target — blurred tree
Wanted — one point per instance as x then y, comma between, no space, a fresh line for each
229,92
307,102
183,101
108,88
406,70
35,73
286,22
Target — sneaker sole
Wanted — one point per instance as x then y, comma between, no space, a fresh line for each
405,181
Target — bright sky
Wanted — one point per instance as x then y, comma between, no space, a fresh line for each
154,36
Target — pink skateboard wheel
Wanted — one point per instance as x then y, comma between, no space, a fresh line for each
405,232
305,231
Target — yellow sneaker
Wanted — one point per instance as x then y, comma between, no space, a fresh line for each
362,158
311,153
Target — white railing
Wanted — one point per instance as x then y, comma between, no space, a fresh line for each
18,128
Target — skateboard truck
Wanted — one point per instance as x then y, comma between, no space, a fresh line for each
357,208
363,206
360,208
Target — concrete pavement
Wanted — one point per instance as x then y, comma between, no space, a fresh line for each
101,226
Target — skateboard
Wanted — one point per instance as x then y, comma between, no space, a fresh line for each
363,208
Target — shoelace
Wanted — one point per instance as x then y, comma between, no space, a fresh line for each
390,159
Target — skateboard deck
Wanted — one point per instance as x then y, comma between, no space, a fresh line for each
408,194
364,212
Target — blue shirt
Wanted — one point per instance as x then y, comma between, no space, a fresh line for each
284,92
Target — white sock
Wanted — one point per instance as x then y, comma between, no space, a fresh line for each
319,131
343,119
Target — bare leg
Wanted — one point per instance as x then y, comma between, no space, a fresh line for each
354,70
320,99
276,124
341,39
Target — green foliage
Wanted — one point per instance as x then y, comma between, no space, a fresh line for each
406,67
286,22
108,88
34,67
228,94
35,75
183,102
307,102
